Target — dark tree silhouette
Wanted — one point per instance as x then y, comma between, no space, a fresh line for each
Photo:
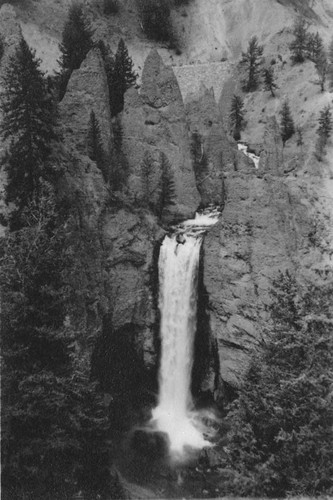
2,47
95,146
147,178
236,116
324,132
287,126
314,47
269,80
166,186
75,45
55,420
111,7
199,156
298,46
252,60
121,77
325,123
29,122
155,19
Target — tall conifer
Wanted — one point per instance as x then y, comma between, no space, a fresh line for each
236,116
29,122
122,77
299,45
75,45
252,59
287,123
95,145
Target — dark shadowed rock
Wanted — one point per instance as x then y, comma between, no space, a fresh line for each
155,121
129,243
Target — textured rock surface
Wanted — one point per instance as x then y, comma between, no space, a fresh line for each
204,120
87,91
155,121
129,243
243,253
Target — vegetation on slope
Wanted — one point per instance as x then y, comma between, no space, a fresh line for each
281,424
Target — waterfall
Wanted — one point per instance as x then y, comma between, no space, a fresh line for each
178,279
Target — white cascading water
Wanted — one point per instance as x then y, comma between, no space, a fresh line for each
178,277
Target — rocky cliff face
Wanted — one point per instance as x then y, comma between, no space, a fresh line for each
210,148
155,121
244,252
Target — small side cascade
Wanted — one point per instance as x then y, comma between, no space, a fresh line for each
245,149
178,287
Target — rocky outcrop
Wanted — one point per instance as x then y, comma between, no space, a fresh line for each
211,150
129,242
243,254
155,121
87,91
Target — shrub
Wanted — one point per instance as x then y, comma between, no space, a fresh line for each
111,7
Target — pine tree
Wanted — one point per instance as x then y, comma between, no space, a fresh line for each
75,45
298,47
280,426
166,187
269,80
314,47
55,422
122,77
95,145
324,132
287,123
252,59
325,123
147,178
29,122
236,116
